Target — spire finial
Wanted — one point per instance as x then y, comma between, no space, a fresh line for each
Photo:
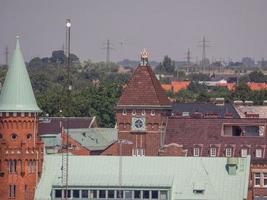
17,44
144,57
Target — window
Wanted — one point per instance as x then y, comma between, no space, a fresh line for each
12,166
93,193
111,193
13,136
26,191
138,152
154,194
119,194
65,193
143,112
1,136
58,193
137,194
29,136
76,193
12,191
102,194
234,130
31,166
163,195
124,112
228,152
128,194
244,152
84,193
196,151
265,179
213,152
133,112
257,179
258,153
146,194
152,113
198,191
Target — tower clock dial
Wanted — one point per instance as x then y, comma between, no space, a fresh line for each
138,124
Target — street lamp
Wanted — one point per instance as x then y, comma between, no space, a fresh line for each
121,142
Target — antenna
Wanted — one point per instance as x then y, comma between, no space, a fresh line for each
203,46
108,47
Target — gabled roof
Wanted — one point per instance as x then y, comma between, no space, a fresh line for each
52,125
179,175
144,90
17,93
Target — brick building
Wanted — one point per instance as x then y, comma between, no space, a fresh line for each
21,152
156,127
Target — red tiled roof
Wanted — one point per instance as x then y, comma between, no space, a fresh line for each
144,89
52,125
179,85
257,86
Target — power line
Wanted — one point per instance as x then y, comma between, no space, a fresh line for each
204,46
188,60
108,47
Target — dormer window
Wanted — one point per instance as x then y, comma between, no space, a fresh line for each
1,136
258,153
124,112
152,113
29,136
134,112
213,152
196,151
244,152
228,152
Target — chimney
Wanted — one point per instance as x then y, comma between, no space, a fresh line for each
231,165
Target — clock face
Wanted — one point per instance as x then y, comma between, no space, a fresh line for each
138,123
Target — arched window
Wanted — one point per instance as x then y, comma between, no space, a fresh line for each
12,166
1,136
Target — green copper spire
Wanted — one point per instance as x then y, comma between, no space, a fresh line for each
17,94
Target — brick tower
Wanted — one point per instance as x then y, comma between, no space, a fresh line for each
21,152
142,112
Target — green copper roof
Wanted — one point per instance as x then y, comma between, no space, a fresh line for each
17,94
180,175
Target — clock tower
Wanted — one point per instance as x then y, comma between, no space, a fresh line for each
142,112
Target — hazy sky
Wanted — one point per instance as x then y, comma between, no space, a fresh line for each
236,28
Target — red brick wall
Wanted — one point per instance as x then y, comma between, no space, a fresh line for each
259,191
21,149
150,139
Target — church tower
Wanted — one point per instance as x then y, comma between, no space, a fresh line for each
142,112
21,152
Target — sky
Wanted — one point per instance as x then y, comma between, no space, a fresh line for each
235,28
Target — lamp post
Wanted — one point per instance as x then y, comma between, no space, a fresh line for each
121,142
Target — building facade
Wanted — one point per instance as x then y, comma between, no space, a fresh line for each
21,152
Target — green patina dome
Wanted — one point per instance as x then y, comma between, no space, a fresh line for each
17,93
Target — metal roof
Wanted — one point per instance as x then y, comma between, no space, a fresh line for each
17,94
180,174
94,138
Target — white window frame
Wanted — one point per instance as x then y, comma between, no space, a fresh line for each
264,178
152,113
257,177
124,112
133,112
244,152
228,152
143,112
258,153
213,152
196,151
138,152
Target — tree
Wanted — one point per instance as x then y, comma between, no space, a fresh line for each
167,66
241,92
257,77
